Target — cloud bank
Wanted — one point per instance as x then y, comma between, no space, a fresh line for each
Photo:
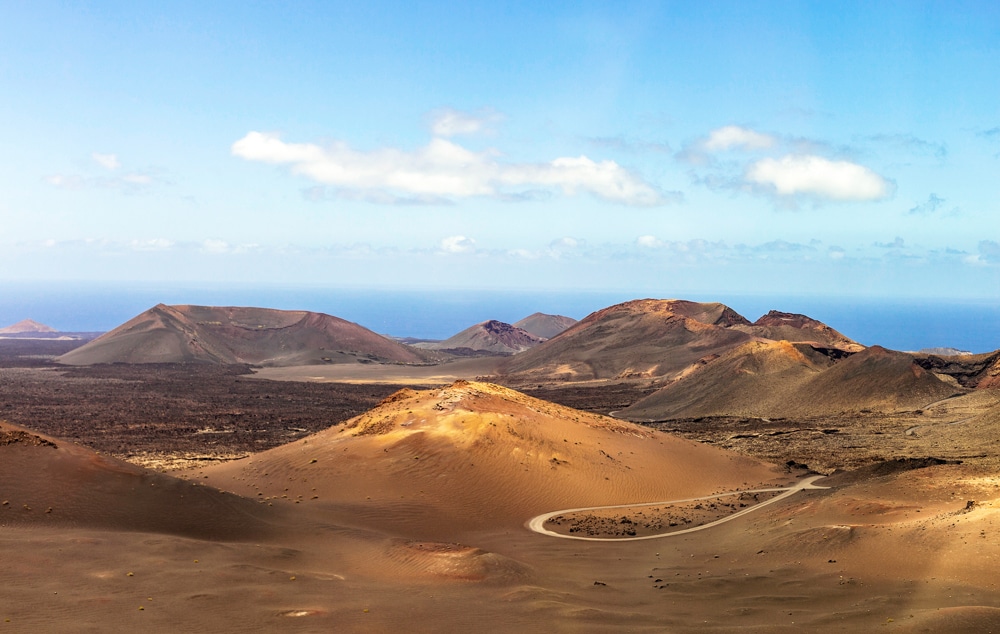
743,159
442,169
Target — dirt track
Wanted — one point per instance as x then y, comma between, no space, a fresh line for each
537,523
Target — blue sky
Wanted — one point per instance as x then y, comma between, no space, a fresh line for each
662,148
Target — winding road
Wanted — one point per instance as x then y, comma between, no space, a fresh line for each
537,524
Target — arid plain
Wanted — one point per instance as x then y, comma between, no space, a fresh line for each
287,472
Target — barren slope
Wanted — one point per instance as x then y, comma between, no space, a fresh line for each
181,334
489,336
50,482
26,325
641,338
476,455
877,379
777,380
969,370
756,379
779,326
545,326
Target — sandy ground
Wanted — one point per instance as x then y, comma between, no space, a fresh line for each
413,517
356,373
900,554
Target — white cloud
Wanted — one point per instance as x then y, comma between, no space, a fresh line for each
443,168
566,246
131,182
565,243
458,244
63,181
733,136
107,161
649,242
820,177
989,251
524,254
137,179
214,246
155,244
701,151
447,122
624,144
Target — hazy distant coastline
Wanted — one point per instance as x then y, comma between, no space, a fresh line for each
437,314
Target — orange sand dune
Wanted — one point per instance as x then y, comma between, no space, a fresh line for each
476,455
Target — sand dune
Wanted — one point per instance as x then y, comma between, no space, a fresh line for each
476,455
184,334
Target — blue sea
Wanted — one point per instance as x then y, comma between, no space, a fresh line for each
899,324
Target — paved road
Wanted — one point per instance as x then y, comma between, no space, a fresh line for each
537,524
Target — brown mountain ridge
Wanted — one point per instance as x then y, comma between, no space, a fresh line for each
261,336
657,339
543,325
25,326
492,337
768,379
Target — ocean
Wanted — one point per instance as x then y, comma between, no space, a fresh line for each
899,324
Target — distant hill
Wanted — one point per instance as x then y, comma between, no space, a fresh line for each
262,336
969,370
544,326
779,326
945,352
27,326
492,337
30,330
640,338
749,380
660,340
779,379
